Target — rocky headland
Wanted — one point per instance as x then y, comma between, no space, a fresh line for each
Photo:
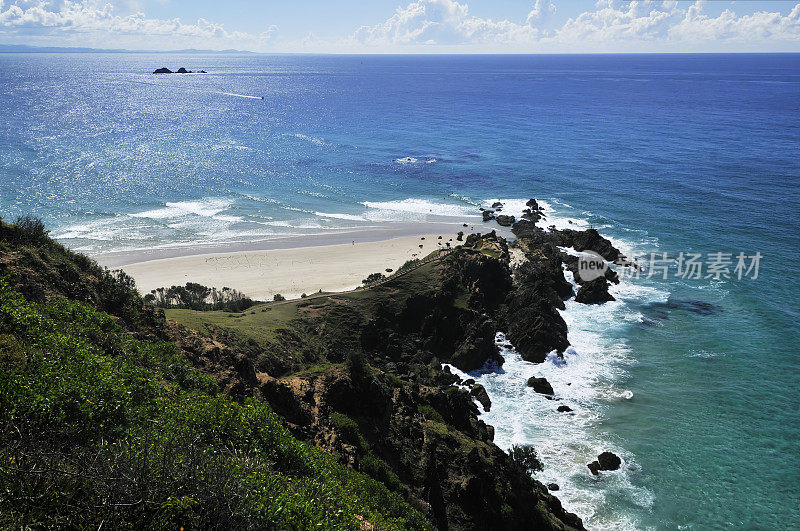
363,375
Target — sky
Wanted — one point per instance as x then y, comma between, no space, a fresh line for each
400,26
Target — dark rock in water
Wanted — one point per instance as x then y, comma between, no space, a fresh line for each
609,461
594,292
440,238
553,486
181,70
460,236
389,269
505,221
469,382
497,204
464,225
532,215
605,461
532,204
590,240
564,409
479,393
540,385
488,215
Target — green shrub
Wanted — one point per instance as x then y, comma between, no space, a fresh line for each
526,458
358,368
348,429
98,429
278,297
378,469
430,413
372,278
394,380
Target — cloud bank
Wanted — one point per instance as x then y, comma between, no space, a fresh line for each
424,26
92,22
612,26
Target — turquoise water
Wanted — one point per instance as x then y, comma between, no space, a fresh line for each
696,383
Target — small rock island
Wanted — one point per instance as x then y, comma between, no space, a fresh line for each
181,70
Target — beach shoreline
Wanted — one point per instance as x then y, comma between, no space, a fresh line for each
288,266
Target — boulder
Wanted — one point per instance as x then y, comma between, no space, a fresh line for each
605,461
594,292
564,409
479,393
553,486
532,204
497,204
162,70
540,385
488,215
609,461
505,221
460,236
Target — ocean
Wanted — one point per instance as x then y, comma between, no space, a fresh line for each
694,382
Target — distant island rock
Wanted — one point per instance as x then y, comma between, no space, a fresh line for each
181,70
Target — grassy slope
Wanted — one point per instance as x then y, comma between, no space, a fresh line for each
98,429
270,324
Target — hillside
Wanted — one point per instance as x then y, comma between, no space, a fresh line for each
100,429
332,410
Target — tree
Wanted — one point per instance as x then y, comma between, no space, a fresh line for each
373,278
526,458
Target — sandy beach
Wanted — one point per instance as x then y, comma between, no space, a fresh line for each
290,271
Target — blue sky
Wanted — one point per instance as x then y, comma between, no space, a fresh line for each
421,26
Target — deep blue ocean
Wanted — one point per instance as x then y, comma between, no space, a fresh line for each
694,382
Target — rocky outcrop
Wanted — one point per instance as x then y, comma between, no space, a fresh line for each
531,318
488,215
181,70
504,220
563,409
590,240
594,292
605,461
479,393
540,385
450,470
572,263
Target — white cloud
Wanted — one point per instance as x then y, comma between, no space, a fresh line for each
74,19
613,25
422,25
445,22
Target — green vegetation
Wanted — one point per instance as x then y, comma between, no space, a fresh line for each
373,278
526,458
278,297
100,429
431,414
194,296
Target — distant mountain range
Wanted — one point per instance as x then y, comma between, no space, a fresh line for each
24,48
